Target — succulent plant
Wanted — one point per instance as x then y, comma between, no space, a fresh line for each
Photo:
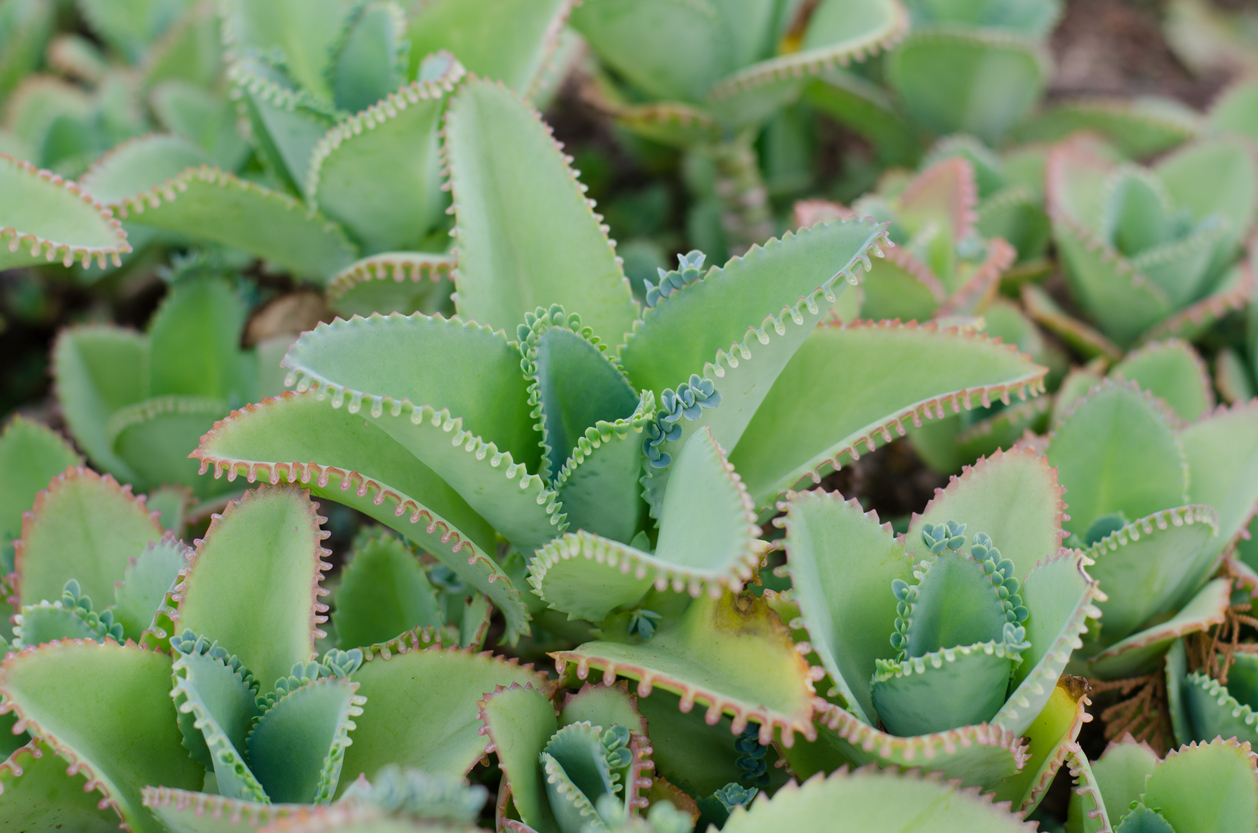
1156,503
555,429
1207,786
975,67
946,644
706,76
1150,253
224,680
137,402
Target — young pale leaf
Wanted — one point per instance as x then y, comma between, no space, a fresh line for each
84,527
303,31
44,218
526,235
519,721
30,455
153,438
147,580
402,282
1173,371
253,585
384,592
194,342
105,707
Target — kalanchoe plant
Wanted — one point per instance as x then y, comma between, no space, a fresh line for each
237,717
136,402
974,67
1150,253
1211,687
1207,786
343,103
706,76
944,647
1156,503
523,438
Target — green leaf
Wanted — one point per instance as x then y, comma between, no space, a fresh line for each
183,811
210,204
1051,733
962,80
300,439
298,745
1087,812
146,581
41,798
215,698
84,527
519,721
838,32
1173,371
1138,127
672,50
286,122
105,707
194,342
877,377
731,654
966,688
870,111
95,372
402,282
1206,787
303,31
397,134
30,455
1222,453
140,164
131,26
422,710
44,218
1159,562
872,800
526,235
505,40
153,437
189,50
707,541
253,584
1014,497
371,60
25,28
384,591
842,564
464,416
604,705
1212,710
1215,177
1116,451
1141,653
901,287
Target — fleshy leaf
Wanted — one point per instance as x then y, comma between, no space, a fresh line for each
214,205
878,376
526,236
30,456
1173,371
730,653
253,584
519,721
384,591
40,797
106,708
140,164
945,76
464,417
46,218
94,368
1222,454
1139,127
84,527
869,799
402,282
422,710
153,438
288,439
298,745
507,40
1142,469
183,811
707,541
1052,732
149,576
1204,787
371,57
303,31
396,211
838,602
